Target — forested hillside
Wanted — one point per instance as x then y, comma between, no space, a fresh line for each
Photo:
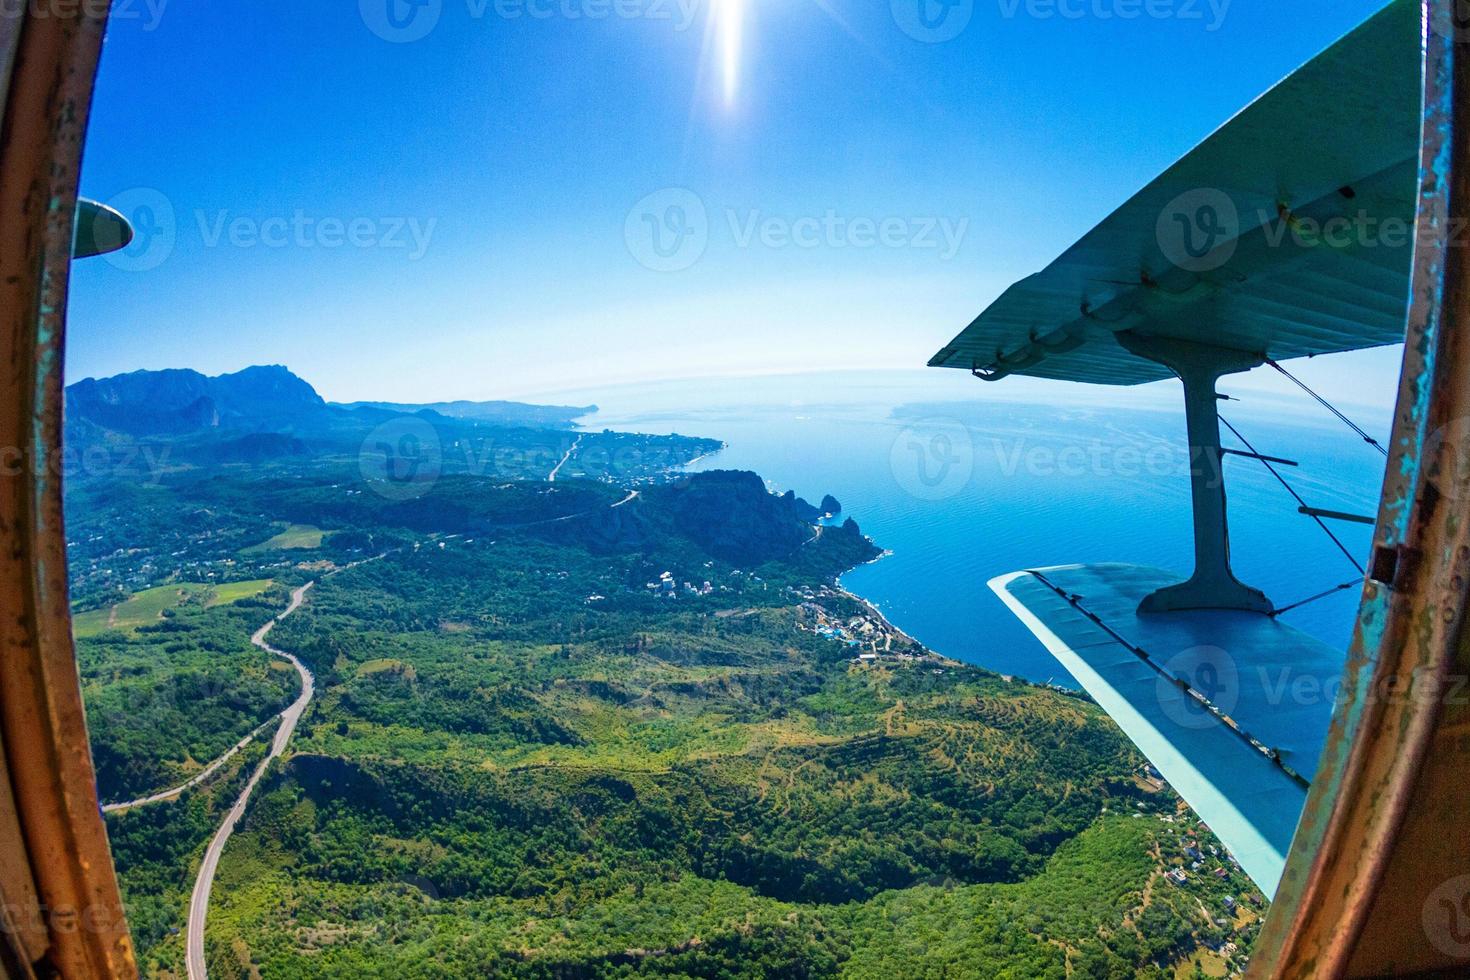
598,727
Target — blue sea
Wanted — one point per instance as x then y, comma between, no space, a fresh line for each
961,488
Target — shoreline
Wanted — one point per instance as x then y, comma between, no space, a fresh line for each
713,452
948,661
872,607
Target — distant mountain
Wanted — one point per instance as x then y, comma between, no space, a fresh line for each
501,413
257,400
182,402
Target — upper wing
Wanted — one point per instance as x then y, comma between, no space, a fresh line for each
1286,233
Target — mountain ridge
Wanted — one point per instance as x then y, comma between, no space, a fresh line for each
181,402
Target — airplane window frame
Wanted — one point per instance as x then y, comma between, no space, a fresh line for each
1371,832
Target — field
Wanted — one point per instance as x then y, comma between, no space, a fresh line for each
148,606
297,537
235,591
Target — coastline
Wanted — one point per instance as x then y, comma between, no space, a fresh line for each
867,604
877,613
713,452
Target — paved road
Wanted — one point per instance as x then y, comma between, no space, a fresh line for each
557,468
199,902
198,778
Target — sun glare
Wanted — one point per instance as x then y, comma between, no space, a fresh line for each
729,23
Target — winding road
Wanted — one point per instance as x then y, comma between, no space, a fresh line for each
198,777
199,901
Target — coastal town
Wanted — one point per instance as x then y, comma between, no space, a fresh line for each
839,615
1229,904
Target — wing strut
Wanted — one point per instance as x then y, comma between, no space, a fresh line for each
1200,366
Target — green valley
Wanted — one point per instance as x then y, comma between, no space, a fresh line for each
622,724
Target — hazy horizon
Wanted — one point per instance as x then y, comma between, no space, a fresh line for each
1368,378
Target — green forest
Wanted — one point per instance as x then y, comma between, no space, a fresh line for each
599,728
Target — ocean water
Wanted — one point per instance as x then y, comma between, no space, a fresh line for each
961,490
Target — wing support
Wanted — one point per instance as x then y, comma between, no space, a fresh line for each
1337,515
1200,366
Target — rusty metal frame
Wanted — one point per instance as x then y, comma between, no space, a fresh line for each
1385,823
64,915
1385,826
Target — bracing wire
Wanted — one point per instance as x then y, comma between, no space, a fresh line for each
1331,408
1282,480
1298,497
1318,597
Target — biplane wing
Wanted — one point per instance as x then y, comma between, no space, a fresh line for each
1287,233
1231,707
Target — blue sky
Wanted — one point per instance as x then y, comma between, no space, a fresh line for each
462,213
